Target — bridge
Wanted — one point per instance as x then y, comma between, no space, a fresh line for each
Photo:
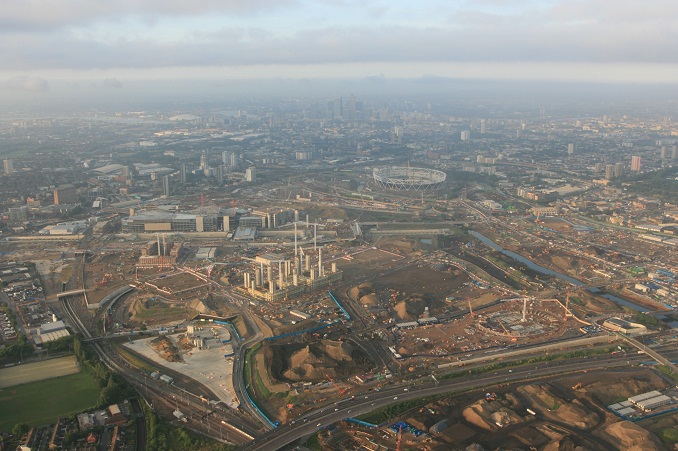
652,353
65,294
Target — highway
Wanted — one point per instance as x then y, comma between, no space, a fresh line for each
318,419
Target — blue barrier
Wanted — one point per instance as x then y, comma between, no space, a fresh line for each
362,423
348,317
275,425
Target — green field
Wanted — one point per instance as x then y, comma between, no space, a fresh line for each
41,403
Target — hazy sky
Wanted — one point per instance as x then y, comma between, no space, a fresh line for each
117,40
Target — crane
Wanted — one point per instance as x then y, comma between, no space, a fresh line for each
341,391
508,334
400,437
470,308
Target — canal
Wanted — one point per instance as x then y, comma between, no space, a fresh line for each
532,265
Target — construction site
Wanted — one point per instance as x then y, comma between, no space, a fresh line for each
566,413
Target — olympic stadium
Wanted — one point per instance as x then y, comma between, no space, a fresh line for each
408,179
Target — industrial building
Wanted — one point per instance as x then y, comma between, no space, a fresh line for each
277,277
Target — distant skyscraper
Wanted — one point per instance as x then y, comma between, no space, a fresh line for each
251,174
204,165
664,153
570,149
338,109
351,108
465,135
635,163
598,168
8,166
182,173
124,171
397,135
483,127
220,174
674,153
165,185
609,171
618,169
224,157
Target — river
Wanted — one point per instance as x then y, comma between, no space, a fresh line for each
530,264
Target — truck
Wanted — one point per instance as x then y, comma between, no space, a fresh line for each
180,416
166,378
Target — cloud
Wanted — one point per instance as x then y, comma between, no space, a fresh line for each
48,15
113,83
28,84
84,35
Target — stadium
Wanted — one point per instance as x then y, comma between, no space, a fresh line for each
409,179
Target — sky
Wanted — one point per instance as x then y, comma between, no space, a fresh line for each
112,42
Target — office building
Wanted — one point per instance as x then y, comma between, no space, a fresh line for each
251,174
8,166
483,127
165,185
65,194
337,109
182,173
204,164
635,163
18,214
618,169
220,175
465,135
609,171
570,149
397,135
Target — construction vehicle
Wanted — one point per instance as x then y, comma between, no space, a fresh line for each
577,386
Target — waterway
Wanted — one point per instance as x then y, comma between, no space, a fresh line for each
530,264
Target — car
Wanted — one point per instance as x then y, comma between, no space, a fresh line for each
372,404
395,397
405,389
335,409
318,425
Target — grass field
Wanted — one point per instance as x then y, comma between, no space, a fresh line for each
40,403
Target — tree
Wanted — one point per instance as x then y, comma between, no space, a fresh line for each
20,429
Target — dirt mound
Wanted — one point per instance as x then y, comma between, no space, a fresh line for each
370,300
410,308
488,415
361,290
564,444
316,361
618,388
631,437
573,413
197,304
166,349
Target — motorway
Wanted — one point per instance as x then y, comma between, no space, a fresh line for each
318,419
